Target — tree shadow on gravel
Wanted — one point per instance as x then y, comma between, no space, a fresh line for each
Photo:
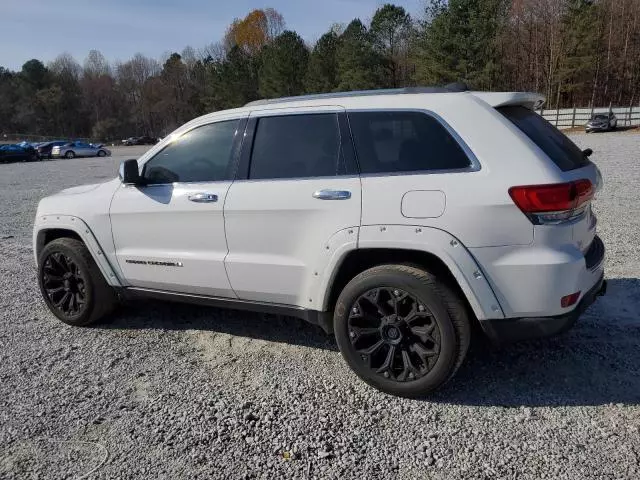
595,363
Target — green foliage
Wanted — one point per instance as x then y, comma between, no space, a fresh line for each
322,73
459,42
283,66
360,67
579,40
575,51
390,30
234,81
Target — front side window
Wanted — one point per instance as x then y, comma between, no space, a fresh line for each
200,155
296,146
397,141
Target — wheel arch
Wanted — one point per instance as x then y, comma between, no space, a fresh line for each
52,227
428,248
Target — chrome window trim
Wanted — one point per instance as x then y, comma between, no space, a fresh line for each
286,111
475,166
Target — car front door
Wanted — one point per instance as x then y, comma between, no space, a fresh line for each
297,189
169,233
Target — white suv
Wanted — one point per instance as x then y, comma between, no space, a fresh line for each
395,219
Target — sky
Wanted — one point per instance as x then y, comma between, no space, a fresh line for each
43,29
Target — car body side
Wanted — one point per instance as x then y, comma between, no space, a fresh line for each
504,266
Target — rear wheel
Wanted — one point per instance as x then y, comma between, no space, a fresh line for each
70,154
71,283
401,329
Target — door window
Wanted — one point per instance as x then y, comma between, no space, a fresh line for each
200,155
388,142
296,146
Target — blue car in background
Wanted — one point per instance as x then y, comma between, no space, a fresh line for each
18,153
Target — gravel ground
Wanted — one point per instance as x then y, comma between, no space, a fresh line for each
169,391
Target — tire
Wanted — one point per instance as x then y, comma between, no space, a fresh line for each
70,154
84,297
431,362
102,153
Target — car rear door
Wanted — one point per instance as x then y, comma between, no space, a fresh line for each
169,234
297,189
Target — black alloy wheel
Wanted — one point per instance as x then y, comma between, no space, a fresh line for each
72,284
65,284
401,329
394,333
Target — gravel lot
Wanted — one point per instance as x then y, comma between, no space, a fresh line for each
170,391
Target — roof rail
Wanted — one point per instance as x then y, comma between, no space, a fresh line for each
450,88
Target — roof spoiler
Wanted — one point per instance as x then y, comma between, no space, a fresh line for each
532,101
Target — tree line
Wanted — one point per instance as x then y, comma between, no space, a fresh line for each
576,52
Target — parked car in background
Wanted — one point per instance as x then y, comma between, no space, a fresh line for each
44,149
17,153
80,149
602,122
144,140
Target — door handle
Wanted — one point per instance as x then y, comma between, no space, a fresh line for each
203,197
332,194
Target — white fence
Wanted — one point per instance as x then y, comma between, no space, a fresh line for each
578,117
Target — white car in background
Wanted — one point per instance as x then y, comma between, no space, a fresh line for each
80,149
394,219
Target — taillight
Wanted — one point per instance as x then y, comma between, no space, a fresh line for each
555,203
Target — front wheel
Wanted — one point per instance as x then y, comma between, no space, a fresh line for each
401,329
71,283
102,153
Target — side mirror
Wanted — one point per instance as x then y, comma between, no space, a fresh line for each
588,152
128,172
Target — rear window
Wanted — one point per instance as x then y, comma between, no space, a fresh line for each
562,151
401,141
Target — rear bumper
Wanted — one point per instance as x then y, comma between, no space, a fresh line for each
514,329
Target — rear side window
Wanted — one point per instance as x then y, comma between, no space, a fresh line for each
296,146
555,144
388,142
200,155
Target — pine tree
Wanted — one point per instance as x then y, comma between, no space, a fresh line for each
459,42
283,66
360,67
322,74
390,32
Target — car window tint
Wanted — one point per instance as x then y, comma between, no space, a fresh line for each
389,142
200,155
555,144
296,146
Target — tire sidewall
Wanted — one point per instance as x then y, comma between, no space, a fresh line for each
84,317
426,294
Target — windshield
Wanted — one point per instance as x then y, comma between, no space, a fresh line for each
562,151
